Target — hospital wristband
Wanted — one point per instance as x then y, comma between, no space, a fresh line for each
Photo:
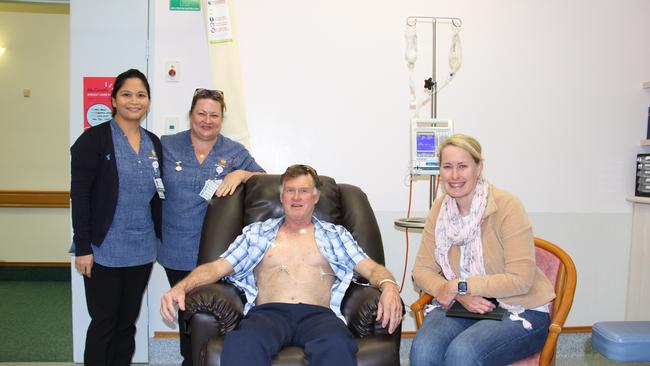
386,280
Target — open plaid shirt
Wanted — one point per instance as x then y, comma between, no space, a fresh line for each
334,242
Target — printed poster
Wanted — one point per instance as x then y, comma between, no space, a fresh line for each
218,21
97,100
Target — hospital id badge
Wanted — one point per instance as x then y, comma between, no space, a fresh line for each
209,188
160,188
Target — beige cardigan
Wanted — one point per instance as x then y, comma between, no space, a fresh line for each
508,255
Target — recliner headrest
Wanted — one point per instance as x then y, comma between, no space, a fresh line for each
262,200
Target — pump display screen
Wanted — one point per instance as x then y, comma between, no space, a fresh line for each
427,135
426,143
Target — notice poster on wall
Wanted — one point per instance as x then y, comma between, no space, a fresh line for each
97,100
218,21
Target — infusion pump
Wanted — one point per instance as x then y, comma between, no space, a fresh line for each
426,135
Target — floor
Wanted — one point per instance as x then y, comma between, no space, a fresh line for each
574,349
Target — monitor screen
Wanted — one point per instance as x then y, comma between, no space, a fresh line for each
426,142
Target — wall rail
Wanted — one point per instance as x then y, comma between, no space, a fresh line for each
35,199
405,334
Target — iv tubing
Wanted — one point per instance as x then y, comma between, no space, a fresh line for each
406,230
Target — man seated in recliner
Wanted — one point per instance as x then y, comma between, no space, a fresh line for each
294,271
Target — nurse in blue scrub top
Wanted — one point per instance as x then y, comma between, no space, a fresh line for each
198,163
116,192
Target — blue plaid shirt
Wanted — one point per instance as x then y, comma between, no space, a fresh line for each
334,242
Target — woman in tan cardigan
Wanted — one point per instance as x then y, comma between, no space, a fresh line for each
478,245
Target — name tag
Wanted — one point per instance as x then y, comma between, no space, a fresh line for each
209,188
160,187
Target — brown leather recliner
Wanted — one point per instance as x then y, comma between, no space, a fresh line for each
215,309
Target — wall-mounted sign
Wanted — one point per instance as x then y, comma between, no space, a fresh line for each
191,5
97,100
218,21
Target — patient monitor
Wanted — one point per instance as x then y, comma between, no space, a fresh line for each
426,135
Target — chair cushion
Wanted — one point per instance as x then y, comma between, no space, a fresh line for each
622,341
548,263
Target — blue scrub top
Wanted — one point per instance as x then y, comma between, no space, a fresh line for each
131,240
183,208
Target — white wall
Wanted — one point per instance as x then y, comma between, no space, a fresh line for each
33,142
551,89
34,128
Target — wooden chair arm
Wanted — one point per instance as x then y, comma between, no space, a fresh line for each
554,328
418,308
547,354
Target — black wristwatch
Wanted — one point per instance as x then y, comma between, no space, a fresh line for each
462,287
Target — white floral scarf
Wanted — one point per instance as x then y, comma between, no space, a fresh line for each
451,229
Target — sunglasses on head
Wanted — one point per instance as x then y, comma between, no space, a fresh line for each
209,93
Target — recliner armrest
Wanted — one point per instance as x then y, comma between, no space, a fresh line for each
220,300
359,307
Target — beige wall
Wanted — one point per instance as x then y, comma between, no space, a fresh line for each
34,140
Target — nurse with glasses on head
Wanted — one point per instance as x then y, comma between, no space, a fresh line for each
198,164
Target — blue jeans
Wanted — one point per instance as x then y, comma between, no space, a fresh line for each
445,340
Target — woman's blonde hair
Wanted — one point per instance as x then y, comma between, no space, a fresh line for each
465,142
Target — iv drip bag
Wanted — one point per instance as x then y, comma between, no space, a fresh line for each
411,36
456,51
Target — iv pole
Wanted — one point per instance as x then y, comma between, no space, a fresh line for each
412,21
431,83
